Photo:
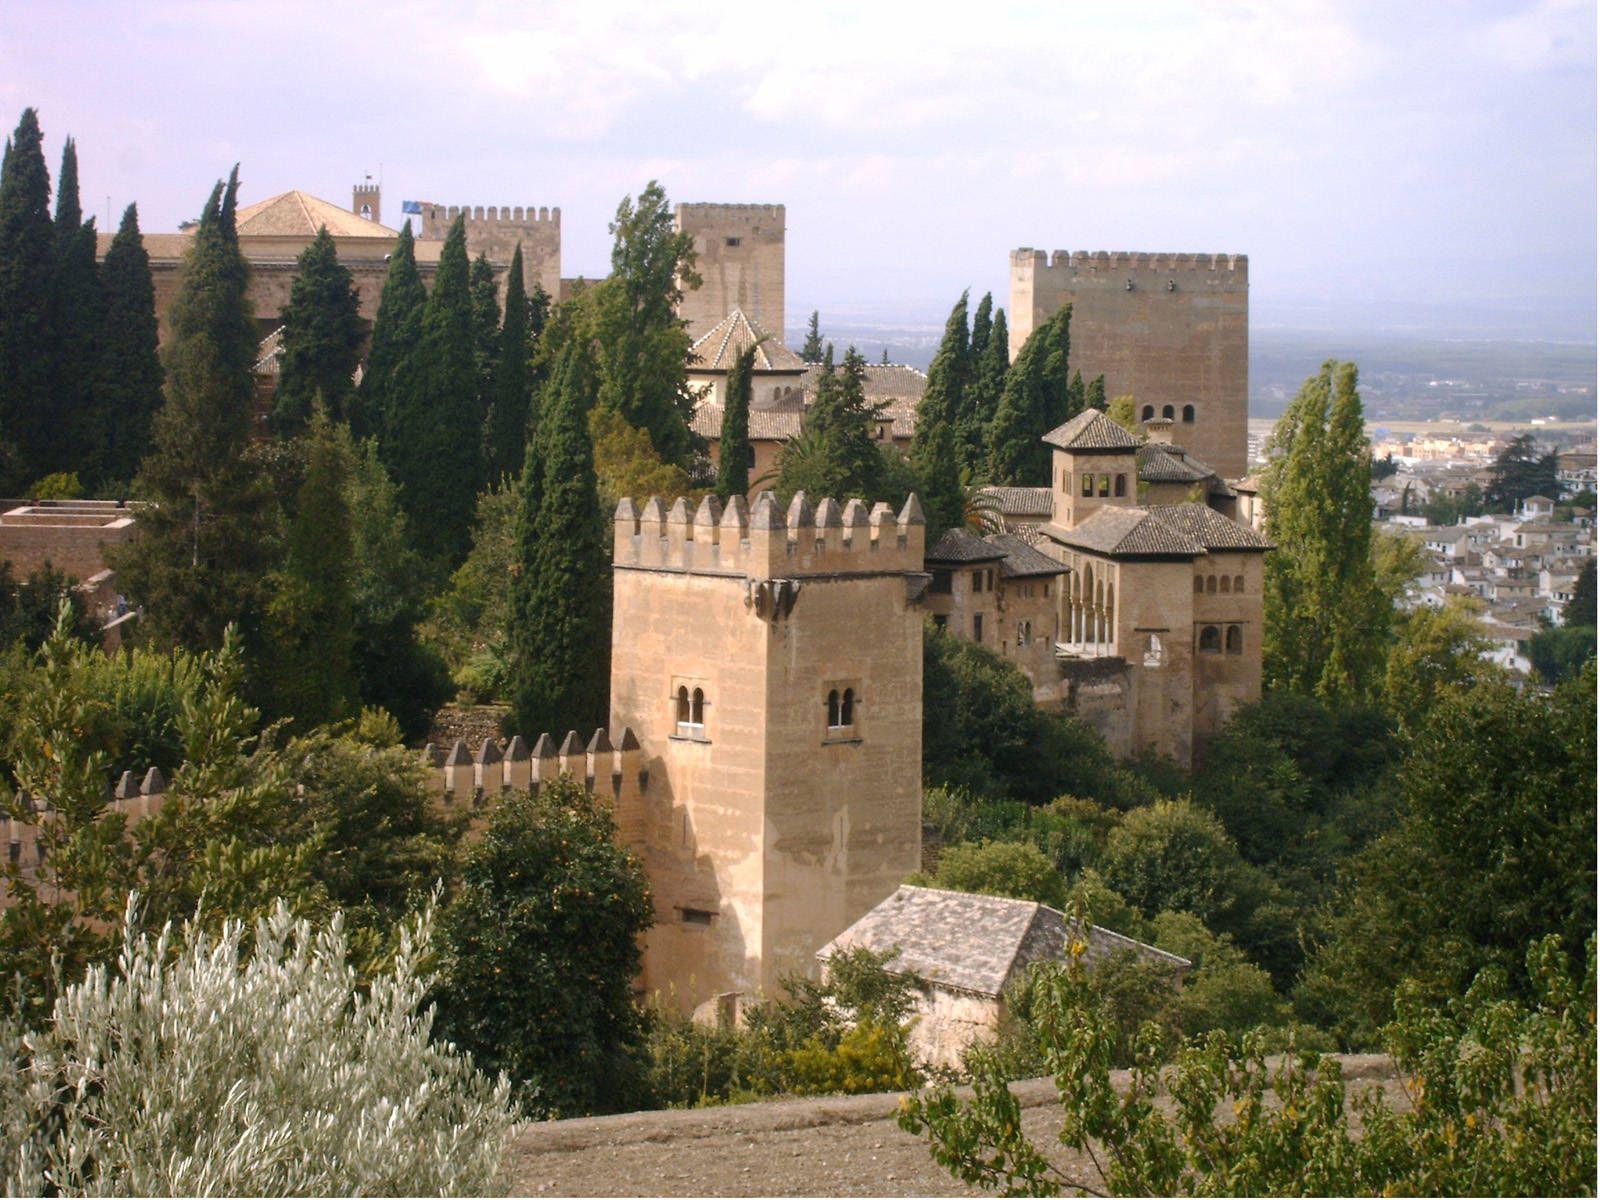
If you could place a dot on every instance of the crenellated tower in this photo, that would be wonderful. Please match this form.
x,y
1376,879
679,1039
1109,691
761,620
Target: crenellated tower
x,y
496,232
770,664
739,253
366,202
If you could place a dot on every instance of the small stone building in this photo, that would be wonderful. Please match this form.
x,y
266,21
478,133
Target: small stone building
x,y
964,951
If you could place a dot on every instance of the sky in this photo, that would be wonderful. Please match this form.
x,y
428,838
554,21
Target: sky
x,y
1422,166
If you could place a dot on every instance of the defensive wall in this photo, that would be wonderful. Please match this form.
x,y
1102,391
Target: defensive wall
x,y
70,535
496,233
739,255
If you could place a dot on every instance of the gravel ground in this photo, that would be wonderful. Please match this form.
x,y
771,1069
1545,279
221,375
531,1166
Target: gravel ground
x,y
835,1146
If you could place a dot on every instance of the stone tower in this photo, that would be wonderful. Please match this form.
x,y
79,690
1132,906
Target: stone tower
x,y
496,233
364,202
739,249
1172,329
771,667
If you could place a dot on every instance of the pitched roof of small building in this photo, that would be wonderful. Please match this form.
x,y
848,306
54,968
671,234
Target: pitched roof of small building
x,y
975,943
1162,462
1209,527
300,214
1091,430
718,347
766,425
960,545
1022,561
1022,501
881,381
1128,532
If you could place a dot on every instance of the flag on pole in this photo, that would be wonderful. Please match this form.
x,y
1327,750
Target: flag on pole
x,y
411,206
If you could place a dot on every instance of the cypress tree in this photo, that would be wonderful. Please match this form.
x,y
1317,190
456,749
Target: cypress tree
x,y
309,670
733,463
69,206
485,332
394,332
811,350
561,597
1094,396
983,396
322,336
841,415
947,378
939,485
506,431
205,543
431,438
127,391
27,258
1035,399
74,325
982,326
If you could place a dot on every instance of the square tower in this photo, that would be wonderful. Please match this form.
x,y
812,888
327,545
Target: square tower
x,y
771,667
739,256
365,202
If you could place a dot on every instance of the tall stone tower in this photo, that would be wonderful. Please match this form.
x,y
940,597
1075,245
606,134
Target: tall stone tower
x,y
1172,329
364,202
496,233
771,667
739,249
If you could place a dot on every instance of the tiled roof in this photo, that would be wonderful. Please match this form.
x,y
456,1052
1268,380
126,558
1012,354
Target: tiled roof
x,y
765,425
1091,430
962,546
717,349
1164,463
1209,527
298,214
975,943
1022,561
1128,532
1022,501
883,381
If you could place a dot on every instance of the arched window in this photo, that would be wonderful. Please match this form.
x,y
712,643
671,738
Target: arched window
x,y
777,393
1188,414
833,709
1122,485
1211,583
1210,640
698,708
1105,485
1199,584
366,212
1147,413
847,708
1235,640
1238,583
1166,411
1227,585
683,706
1088,483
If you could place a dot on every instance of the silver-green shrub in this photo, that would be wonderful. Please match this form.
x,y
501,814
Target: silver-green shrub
x,y
248,1062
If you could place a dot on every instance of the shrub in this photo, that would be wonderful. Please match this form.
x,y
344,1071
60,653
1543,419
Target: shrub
x,y
217,1070
1012,869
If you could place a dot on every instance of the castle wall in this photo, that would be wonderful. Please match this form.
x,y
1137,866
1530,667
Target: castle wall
x,y
739,252
496,233
1227,678
70,535
1172,329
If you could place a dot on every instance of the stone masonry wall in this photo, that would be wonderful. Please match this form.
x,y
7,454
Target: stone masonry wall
x,y
740,258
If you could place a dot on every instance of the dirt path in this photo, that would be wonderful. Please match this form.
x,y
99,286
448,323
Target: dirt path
x,y
831,1146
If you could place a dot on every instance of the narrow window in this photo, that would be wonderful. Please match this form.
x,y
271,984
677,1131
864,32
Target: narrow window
x,y
1227,585
988,579
1105,485
847,708
977,627
1147,413
698,709
696,916
941,583
1152,650
1088,483
1235,640
683,707
1166,411
1210,640
1188,414
977,581
1199,584
833,709
733,241
1122,485
1211,583
1238,583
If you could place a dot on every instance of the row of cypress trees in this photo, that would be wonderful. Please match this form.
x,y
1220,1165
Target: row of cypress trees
x,y
80,380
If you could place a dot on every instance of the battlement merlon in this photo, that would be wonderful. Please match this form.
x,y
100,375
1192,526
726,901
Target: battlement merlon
x,y
438,216
760,541
749,214
1234,267
615,771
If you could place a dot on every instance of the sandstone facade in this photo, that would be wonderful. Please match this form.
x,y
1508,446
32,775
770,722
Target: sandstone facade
x,y
739,251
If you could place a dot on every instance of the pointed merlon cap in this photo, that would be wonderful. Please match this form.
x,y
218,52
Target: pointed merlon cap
x,y
881,514
544,746
628,741
709,514
458,755
488,753
127,786
653,514
855,513
828,514
678,514
154,782
800,514
911,513
626,511
571,744
737,515
1092,431
516,749
765,515
600,743
432,756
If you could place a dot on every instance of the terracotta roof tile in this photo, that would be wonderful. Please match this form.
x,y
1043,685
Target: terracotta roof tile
x,y
1209,527
717,348
299,214
1091,430
963,546
1022,561
1022,501
1128,532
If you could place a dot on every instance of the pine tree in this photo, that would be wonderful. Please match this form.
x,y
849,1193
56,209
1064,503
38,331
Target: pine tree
x,y
841,414
884,361
394,332
485,332
308,671
74,326
322,336
1035,399
205,543
733,462
27,257
432,440
1094,395
811,350
506,431
127,391
1520,471
1326,618
561,597
983,397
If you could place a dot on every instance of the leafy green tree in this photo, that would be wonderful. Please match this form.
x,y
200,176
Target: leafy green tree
x,y
506,434
841,414
1175,856
943,398
127,369
432,433
1015,869
561,594
206,542
394,333
1436,651
1326,619
989,366
1035,399
642,345
626,464
322,337
733,461
1520,471
27,259
1122,411
548,922
1559,654
1094,395
308,671
1222,990
1580,609
811,349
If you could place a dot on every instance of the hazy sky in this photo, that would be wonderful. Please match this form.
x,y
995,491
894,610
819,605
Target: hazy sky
x,y
1381,163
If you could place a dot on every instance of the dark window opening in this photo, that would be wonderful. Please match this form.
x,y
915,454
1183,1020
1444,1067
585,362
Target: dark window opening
x,y
1122,485
696,916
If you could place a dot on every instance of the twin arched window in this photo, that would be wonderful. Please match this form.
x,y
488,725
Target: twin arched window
x,y
841,709
1212,639
1235,640
691,712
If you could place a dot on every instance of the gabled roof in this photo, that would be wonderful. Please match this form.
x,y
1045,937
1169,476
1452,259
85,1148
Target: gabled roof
x,y
716,349
1022,561
1162,462
1091,430
299,214
766,425
1209,527
882,381
1022,501
1128,532
975,943
962,546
